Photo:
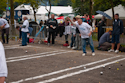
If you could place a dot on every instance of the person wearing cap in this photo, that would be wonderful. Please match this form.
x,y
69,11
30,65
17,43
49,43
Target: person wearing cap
x,y
25,30
5,29
86,35
3,65
78,41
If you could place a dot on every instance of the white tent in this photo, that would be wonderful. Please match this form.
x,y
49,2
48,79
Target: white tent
x,y
41,10
40,14
117,9
25,7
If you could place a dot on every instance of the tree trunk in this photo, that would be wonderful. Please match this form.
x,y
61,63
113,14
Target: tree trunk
x,y
82,7
112,9
90,10
34,15
49,9
12,18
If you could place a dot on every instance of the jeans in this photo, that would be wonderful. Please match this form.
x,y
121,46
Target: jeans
x,y
72,40
7,35
78,42
89,41
24,38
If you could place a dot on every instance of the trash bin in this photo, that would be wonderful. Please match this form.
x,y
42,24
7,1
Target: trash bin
x,y
34,25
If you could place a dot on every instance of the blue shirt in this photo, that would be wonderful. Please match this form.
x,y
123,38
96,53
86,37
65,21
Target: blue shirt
x,y
104,38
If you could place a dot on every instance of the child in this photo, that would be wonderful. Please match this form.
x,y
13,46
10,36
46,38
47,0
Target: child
x,y
20,32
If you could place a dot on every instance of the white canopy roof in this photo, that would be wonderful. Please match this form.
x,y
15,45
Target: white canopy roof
x,y
42,10
117,9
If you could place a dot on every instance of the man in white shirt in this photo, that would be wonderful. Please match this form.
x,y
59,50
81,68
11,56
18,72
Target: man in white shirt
x,y
3,66
5,29
25,30
86,35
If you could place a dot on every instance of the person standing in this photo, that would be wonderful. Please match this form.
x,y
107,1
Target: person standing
x,y
41,24
45,30
3,65
78,41
67,32
100,25
25,30
87,19
5,29
20,32
73,33
117,31
52,24
86,35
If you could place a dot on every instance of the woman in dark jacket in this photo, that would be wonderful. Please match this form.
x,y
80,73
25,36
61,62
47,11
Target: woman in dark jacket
x,y
100,25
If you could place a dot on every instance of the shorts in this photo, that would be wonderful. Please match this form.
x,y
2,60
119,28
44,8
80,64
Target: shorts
x,y
116,39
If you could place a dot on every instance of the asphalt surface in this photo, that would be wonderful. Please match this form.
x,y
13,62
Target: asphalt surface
x,y
39,63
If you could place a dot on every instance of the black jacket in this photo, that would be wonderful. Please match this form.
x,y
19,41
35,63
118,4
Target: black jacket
x,y
117,27
52,22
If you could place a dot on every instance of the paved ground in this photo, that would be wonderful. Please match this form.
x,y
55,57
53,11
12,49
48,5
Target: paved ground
x,y
58,64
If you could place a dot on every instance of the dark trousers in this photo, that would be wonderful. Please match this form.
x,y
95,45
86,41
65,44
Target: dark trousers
x,y
53,37
72,41
7,35
24,38
61,30
45,31
66,38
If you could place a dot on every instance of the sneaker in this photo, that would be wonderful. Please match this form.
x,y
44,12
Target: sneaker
x,y
93,54
74,48
84,54
65,44
69,47
117,51
111,50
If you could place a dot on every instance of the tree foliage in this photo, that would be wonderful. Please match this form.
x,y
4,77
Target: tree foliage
x,y
80,6
3,6
108,4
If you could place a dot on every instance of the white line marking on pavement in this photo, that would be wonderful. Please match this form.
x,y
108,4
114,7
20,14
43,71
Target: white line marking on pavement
x,y
79,72
16,47
37,56
12,46
64,70
33,55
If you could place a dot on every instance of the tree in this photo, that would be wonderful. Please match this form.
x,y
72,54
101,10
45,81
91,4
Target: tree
x,y
33,3
50,4
90,9
109,4
12,17
80,6
3,6
48,10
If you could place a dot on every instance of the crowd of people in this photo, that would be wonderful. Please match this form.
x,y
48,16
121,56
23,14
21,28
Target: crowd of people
x,y
79,29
